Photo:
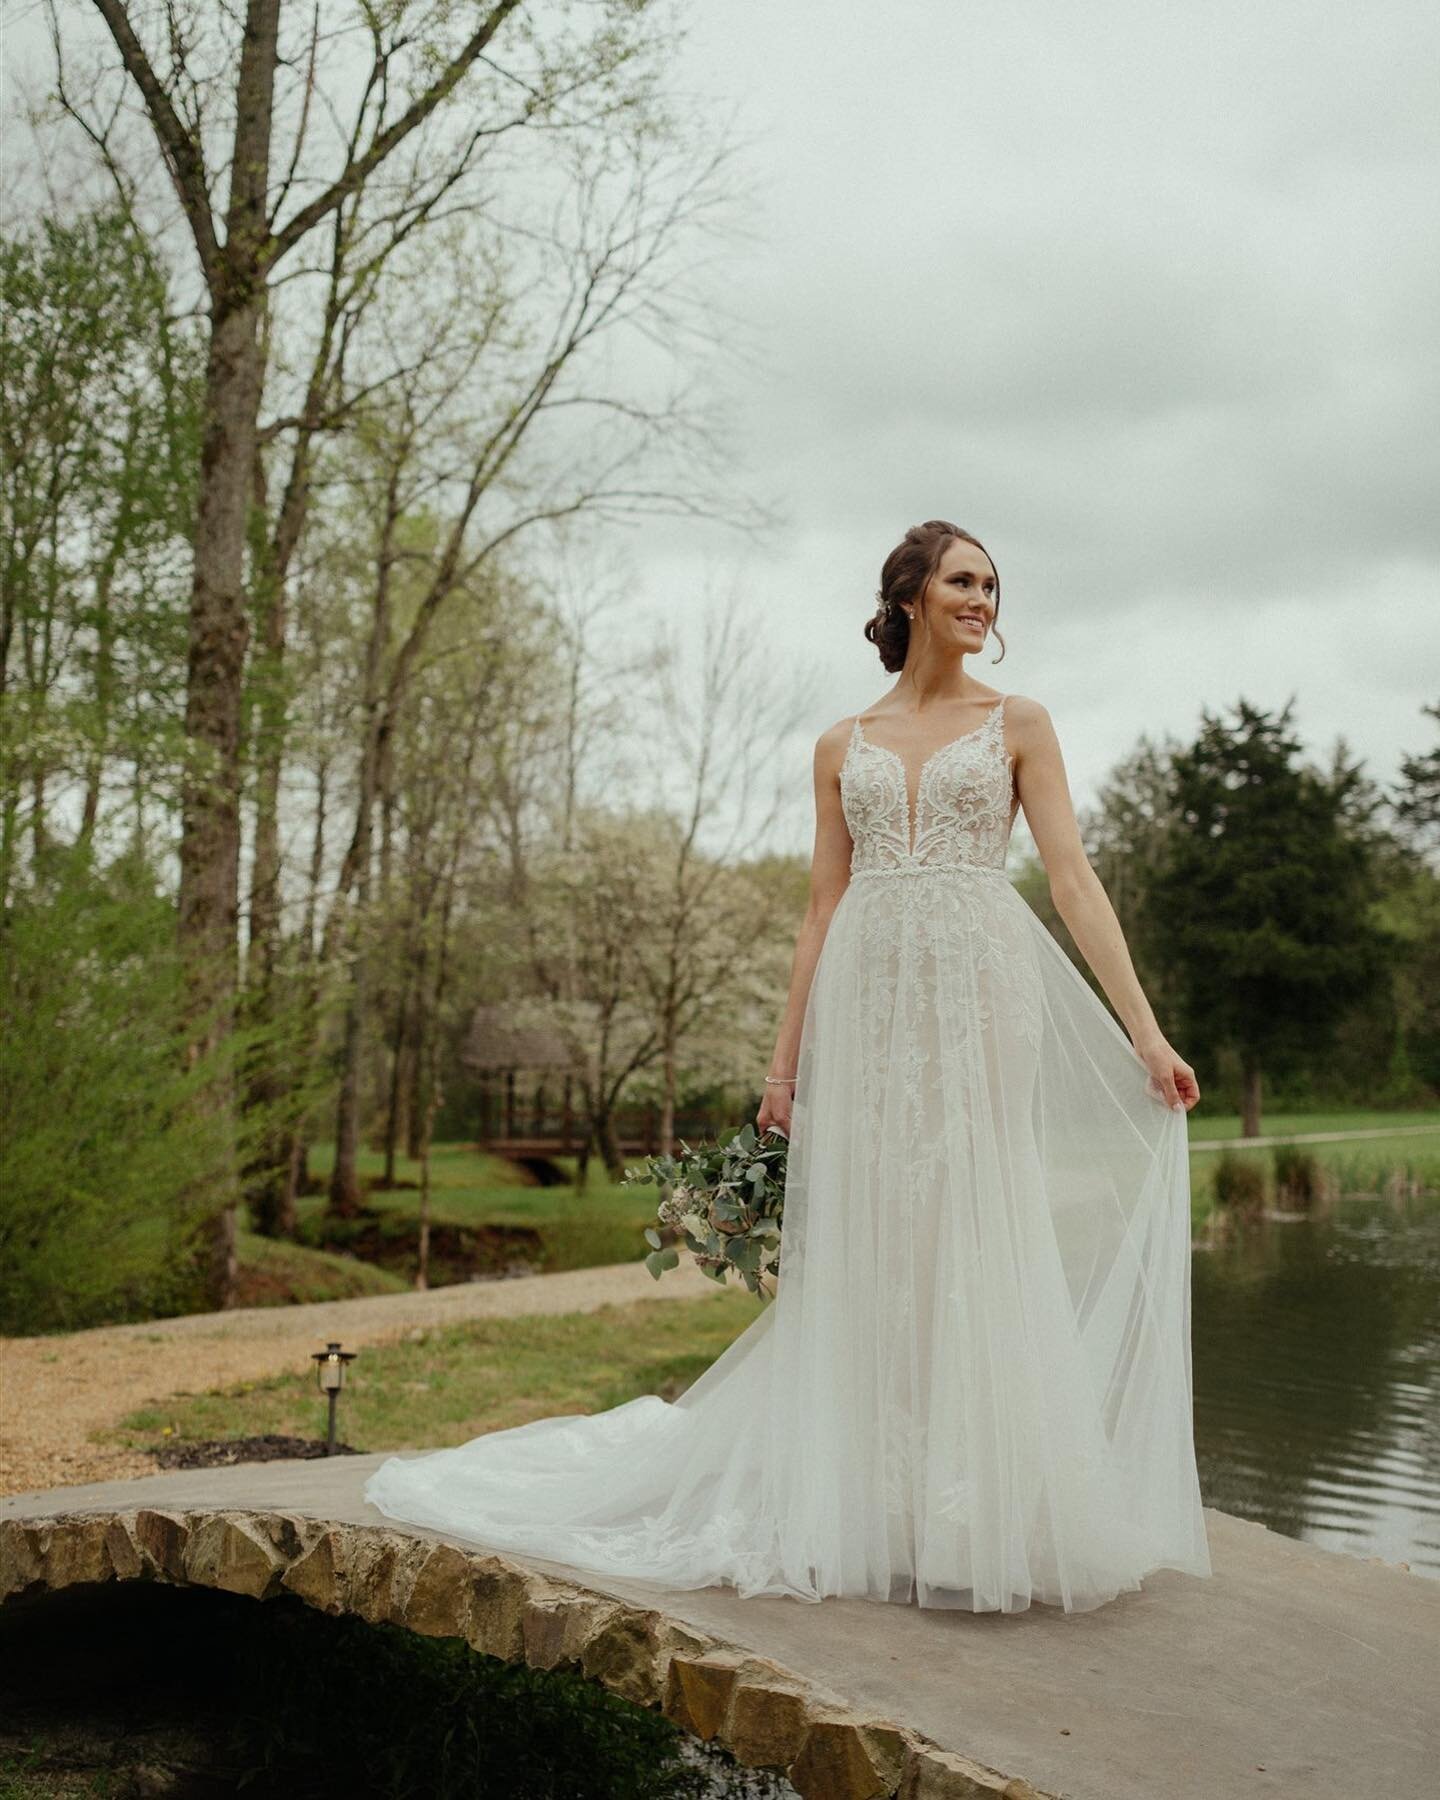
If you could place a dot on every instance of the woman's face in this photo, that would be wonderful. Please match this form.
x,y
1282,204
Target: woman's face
x,y
959,602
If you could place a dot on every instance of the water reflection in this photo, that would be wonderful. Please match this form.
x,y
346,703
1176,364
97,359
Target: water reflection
x,y
1317,1377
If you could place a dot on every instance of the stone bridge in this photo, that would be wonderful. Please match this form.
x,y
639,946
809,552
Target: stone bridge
x,y
1292,1671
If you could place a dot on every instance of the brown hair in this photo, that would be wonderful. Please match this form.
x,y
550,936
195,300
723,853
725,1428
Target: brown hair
x,y
904,578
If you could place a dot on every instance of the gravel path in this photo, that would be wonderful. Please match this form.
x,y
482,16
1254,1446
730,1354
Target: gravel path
x,y
55,1392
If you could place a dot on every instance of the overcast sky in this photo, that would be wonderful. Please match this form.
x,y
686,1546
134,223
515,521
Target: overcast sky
x,y
1146,298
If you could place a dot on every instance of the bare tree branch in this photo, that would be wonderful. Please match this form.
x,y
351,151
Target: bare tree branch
x,y
357,168
182,151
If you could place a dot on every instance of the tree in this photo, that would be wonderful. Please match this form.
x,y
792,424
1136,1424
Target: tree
x,y
1412,908
219,90
722,737
1416,804
98,1154
1125,835
1263,900
457,426
98,426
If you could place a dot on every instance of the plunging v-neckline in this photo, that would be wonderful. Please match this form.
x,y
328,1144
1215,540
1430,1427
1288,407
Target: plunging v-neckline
x,y
912,806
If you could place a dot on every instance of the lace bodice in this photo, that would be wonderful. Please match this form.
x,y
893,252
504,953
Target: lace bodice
x,y
963,803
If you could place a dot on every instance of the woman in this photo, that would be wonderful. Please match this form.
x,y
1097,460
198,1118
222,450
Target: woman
x,y
973,1386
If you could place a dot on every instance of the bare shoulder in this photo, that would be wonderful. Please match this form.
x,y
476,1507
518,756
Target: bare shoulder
x,y
837,734
1021,710
1027,719
1029,730
831,743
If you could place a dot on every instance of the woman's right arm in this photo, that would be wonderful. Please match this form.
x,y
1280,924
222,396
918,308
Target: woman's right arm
x,y
829,877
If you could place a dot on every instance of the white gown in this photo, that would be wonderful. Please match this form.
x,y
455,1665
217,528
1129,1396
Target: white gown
x,y
973,1385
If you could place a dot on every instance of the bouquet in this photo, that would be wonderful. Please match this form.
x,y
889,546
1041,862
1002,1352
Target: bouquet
x,y
725,1199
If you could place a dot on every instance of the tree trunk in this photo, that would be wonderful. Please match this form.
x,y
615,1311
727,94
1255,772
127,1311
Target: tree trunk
x,y
666,1133
399,1090
344,1202
582,1160
1250,1100
210,810
610,1146
416,1049
433,1101
344,1195
267,1175
307,1032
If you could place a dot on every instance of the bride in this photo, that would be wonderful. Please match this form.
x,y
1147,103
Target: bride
x,y
972,1388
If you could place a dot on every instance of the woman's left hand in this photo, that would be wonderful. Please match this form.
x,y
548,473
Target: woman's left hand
x,y
1171,1077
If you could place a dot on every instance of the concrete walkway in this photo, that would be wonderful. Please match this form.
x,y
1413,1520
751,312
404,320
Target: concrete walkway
x,y
1292,1671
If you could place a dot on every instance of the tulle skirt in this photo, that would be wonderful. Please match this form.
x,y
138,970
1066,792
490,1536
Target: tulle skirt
x,y
973,1385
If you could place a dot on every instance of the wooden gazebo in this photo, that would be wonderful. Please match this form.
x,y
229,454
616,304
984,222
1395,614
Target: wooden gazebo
x,y
529,1093
527,1076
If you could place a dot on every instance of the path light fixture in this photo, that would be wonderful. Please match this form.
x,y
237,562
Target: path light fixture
x,y
330,1375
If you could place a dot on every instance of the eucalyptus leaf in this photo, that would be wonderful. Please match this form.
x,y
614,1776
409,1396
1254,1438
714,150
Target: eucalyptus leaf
x,y
722,1203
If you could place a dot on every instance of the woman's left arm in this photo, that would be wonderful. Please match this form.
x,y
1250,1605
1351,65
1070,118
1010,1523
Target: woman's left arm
x,y
1080,898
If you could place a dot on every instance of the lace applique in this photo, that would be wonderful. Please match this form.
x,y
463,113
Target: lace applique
x,y
912,942
962,802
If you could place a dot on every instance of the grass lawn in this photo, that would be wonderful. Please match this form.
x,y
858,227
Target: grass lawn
x,y
605,1224
273,1272
1362,1167
449,1384
1283,1124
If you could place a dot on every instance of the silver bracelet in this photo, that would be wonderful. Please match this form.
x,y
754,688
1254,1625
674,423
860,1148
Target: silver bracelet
x,y
780,1080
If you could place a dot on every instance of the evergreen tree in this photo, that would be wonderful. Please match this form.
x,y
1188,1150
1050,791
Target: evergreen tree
x,y
1414,905
1417,800
1263,899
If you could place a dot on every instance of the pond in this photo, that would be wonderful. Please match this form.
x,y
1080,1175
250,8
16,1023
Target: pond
x,y
1317,1376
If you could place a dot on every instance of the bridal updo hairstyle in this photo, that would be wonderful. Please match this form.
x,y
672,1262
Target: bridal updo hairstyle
x,y
903,580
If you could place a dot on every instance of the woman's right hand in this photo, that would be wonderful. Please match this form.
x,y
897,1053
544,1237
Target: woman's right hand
x,y
776,1108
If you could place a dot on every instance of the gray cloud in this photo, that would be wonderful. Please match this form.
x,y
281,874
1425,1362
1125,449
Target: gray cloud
x,y
1146,298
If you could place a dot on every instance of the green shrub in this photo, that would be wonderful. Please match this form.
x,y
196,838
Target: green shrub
x,y
321,1708
1298,1177
104,1158
1239,1182
284,1701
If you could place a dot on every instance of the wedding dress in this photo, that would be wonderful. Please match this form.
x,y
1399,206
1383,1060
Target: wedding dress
x,y
973,1385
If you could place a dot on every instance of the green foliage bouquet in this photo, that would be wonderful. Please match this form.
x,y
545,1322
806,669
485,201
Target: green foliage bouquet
x,y
725,1199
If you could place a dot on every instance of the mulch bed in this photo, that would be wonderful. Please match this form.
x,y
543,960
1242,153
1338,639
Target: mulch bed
x,y
219,1453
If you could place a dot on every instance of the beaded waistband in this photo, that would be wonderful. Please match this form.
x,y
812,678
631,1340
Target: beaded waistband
x,y
987,869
